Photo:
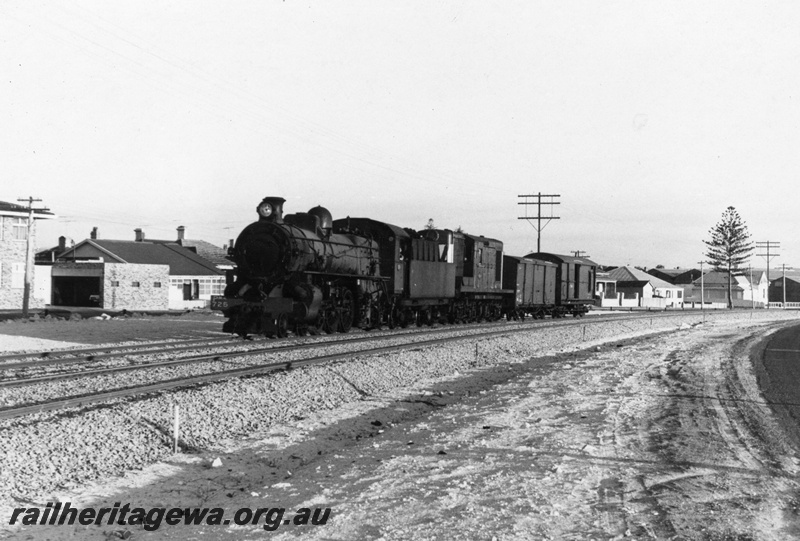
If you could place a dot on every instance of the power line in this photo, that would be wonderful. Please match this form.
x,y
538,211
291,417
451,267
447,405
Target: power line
x,y
26,292
538,216
767,245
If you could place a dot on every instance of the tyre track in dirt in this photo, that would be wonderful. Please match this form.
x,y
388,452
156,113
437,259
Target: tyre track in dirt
x,y
710,433
659,437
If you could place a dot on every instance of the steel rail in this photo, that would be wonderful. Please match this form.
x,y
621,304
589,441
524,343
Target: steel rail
x,y
19,381
119,349
91,398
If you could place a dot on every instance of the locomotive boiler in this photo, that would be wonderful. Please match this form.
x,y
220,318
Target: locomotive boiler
x,y
295,273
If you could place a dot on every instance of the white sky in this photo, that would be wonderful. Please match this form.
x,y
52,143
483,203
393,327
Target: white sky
x,y
649,118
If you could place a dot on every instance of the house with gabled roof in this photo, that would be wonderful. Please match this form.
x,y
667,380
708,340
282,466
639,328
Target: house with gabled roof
x,y
676,275
134,275
755,287
204,249
791,291
649,290
713,287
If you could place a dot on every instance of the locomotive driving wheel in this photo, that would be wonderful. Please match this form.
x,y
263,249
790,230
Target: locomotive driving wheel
x,y
346,311
282,326
331,323
317,327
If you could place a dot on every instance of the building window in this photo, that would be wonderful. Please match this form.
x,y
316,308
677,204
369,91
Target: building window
x,y
135,284
114,283
156,284
19,228
680,294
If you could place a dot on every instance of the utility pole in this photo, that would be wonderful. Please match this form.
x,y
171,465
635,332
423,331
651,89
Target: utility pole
x,y
784,284
702,288
26,294
766,246
538,202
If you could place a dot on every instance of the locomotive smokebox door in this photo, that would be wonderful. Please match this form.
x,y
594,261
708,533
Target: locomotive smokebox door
x,y
271,210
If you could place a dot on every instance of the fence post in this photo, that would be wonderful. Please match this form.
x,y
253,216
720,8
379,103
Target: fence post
x,y
176,430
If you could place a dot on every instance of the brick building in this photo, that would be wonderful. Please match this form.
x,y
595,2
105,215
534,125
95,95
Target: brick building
x,y
13,245
134,275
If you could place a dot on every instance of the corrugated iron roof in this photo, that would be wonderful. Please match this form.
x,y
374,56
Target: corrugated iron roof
x,y
181,261
6,207
206,250
632,274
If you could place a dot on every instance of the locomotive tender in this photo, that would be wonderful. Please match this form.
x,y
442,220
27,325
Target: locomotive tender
x,y
308,273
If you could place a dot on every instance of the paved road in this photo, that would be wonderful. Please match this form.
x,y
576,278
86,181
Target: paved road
x,y
778,372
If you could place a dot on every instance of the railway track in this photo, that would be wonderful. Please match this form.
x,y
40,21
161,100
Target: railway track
x,y
405,340
68,357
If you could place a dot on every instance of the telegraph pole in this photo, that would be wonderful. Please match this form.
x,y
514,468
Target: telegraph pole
x,y
784,284
26,295
702,288
538,202
766,246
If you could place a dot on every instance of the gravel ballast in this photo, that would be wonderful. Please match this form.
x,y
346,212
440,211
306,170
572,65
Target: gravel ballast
x,y
51,452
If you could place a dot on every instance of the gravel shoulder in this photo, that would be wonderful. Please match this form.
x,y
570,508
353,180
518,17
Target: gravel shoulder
x,y
661,434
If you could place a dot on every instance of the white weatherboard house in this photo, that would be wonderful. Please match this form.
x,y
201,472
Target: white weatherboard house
x,y
637,288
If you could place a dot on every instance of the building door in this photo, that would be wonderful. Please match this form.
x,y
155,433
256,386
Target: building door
x,y
76,291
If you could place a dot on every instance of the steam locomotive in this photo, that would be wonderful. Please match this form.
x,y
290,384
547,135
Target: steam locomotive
x,y
307,273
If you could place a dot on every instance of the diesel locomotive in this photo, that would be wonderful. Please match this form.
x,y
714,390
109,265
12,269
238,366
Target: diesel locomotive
x,y
308,273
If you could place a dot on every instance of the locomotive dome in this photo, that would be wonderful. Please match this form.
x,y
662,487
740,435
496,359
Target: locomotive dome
x,y
324,215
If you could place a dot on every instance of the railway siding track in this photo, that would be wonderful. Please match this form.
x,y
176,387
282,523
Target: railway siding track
x,y
91,398
76,356
409,340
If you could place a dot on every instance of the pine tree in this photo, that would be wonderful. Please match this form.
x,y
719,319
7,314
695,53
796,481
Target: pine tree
x,y
729,247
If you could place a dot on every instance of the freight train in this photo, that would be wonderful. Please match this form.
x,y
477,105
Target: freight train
x,y
308,273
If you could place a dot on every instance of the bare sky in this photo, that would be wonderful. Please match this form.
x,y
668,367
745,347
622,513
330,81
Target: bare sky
x,y
649,118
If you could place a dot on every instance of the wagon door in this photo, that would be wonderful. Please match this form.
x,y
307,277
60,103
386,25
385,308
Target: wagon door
x,y
549,284
538,286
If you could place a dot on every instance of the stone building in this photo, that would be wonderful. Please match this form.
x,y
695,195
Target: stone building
x,y
134,275
14,240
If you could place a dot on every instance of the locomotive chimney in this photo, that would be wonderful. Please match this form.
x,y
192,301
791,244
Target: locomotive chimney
x,y
93,234
181,230
271,210
139,234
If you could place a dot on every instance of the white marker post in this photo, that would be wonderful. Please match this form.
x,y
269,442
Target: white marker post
x,y
177,427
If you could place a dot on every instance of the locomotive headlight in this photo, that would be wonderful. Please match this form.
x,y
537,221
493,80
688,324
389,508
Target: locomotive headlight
x,y
265,210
